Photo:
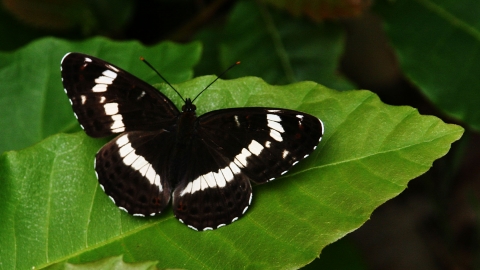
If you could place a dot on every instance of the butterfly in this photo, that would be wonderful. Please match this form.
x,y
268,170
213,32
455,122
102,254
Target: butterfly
x,y
204,164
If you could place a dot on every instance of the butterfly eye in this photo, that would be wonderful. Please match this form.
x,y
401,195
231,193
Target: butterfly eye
x,y
189,108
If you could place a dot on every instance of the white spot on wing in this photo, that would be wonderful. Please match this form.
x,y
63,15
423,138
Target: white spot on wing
x,y
84,99
110,74
275,125
236,120
267,144
227,174
99,88
111,108
104,80
203,182
276,135
140,163
157,182
117,125
88,60
130,158
121,141
285,153
323,129
274,117
112,67
220,180
255,147
212,179
141,95
187,189
242,157
195,186
235,169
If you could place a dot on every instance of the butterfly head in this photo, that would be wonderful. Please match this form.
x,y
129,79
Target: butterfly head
x,y
189,106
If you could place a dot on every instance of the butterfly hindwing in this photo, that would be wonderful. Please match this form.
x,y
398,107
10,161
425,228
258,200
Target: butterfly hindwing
x,y
132,170
263,142
212,192
108,100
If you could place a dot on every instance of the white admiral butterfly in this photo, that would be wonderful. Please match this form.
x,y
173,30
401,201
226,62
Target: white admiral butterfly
x,y
207,161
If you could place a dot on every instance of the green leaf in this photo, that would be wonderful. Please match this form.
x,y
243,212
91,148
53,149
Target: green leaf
x,y
275,46
54,211
438,46
108,263
31,103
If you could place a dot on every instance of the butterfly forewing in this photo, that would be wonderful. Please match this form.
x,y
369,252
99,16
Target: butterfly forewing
x,y
264,142
108,100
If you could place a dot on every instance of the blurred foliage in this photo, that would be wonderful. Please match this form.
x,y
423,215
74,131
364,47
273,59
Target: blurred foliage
x,y
429,61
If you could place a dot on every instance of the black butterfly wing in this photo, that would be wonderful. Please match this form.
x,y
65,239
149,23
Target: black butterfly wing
x,y
108,100
263,142
233,146
212,191
133,170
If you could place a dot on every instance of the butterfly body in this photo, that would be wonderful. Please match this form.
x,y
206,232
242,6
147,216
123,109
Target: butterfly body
x,y
205,163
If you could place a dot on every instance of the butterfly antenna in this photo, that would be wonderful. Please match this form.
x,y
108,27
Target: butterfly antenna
x,y
158,73
218,77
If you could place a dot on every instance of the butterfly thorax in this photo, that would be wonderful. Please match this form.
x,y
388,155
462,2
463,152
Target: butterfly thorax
x,y
185,133
186,123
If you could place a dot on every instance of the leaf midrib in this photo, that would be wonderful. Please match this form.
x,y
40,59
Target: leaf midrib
x,y
368,155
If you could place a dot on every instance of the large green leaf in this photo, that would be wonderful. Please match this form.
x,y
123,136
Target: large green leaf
x,y
438,45
54,211
31,105
275,46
